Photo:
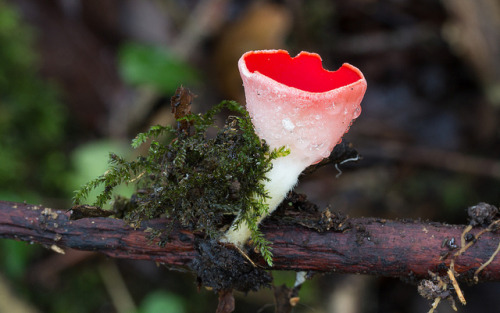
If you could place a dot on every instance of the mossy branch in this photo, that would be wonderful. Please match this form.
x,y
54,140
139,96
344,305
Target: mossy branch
x,y
193,179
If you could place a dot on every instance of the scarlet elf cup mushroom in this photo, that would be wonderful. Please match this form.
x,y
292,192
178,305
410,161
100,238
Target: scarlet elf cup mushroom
x,y
296,103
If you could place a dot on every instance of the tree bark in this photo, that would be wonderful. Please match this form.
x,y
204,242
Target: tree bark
x,y
368,246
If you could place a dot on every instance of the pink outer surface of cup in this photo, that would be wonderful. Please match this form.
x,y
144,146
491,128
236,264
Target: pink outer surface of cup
x,y
295,102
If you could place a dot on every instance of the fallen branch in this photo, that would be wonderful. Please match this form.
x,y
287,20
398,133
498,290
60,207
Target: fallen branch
x,y
367,245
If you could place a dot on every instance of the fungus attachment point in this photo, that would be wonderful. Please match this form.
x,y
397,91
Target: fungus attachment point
x,y
296,103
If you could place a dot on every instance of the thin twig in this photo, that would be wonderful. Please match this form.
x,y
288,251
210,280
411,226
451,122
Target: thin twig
x,y
434,305
459,292
476,273
427,156
116,287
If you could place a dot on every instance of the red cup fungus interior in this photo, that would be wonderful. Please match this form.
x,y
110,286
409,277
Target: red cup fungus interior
x,y
305,71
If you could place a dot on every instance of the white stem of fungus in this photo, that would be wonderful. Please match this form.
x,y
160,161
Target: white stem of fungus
x,y
282,178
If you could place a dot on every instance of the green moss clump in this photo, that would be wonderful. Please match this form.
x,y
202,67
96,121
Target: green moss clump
x,y
196,180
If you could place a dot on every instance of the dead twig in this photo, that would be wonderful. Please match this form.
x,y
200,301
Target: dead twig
x,y
366,245
438,158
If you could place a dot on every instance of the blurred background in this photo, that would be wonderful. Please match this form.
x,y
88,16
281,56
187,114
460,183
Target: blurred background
x,y
78,79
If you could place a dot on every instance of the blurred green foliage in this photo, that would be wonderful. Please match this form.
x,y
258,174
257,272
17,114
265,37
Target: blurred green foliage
x,y
15,257
31,118
162,301
79,290
155,67
450,192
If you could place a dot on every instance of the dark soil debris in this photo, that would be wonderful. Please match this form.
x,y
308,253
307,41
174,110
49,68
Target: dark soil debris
x,y
222,268
285,298
341,152
438,287
482,214
362,234
430,290
87,211
469,237
299,202
297,209
442,268
468,277
337,221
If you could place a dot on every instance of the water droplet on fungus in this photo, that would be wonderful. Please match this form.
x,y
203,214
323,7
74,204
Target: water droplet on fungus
x,y
287,124
357,112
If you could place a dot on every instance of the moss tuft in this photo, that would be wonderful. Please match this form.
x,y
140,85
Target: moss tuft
x,y
195,180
